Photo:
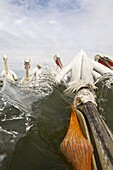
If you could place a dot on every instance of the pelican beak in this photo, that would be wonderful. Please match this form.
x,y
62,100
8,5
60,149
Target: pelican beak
x,y
100,135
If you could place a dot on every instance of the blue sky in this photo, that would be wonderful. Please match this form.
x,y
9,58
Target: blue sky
x,y
38,29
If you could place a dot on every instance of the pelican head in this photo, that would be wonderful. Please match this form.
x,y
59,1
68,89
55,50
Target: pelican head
x,y
27,62
38,66
97,57
57,56
5,57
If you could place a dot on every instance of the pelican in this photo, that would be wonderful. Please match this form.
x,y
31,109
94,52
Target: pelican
x,y
83,68
30,75
58,61
35,72
104,60
27,65
88,142
9,74
96,151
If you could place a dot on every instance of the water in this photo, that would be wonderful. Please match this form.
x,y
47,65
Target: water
x,y
34,122
105,99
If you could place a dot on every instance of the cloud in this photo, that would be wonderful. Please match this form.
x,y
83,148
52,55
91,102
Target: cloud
x,y
38,29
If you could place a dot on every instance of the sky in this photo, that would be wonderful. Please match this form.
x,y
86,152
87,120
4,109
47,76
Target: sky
x,y
38,29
